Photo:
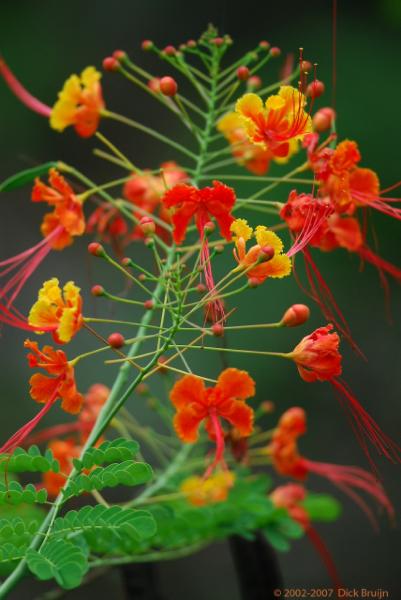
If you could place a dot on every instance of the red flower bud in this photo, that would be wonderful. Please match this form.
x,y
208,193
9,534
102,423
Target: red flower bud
x,y
275,51
266,253
149,304
253,282
306,66
243,73
254,82
147,45
267,406
119,54
218,41
209,227
296,315
217,329
154,85
168,86
116,340
191,44
219,248
201,288
97,290
110,63
264,44
142,277
170,50
147,225
315,89
160,363
323,119
96,249
126,261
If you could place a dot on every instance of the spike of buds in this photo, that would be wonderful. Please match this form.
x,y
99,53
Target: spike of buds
x,y
96,249
315,89
110,63
296,315
97,290
275,51
254,82
149,304
217,329
243,73
116,340
168,86
323,119
147,45
147,225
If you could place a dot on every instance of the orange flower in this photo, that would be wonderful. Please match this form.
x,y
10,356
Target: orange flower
x,y
94,400
272,263
317,356
64,451
290,497
80,103
200,491
283,447
67,215
196,403
58,311
276,124
62,385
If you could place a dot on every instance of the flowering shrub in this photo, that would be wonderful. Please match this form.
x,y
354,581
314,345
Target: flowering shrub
x,y
216,468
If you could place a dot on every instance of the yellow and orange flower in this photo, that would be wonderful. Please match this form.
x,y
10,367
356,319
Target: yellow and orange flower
x,y
58,311
254,157
200,491
278,266
46,390
67,216
273,125
80,104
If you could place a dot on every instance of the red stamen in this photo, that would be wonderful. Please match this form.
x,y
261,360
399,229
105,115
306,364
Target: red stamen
x,y
325,555
21,93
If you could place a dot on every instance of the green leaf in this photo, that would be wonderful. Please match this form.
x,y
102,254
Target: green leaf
x,y
26,176
107,529
14,493
110,451
126,473
277,539
321,507
60,560
30,460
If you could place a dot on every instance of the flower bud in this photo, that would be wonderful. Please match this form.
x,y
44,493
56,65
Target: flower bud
x,y
275,52
218,41
168,86
217,329
264,44
266,253
254,82
142,277
96,249
160,364
209,227
323,119
219,248
154,85
147,225
97,290
110,63
116,340
296,315
201,288
149,304
119,54
147,45
253,282
267,406
243,73
126,261
315,89
170,50
149,242
191,44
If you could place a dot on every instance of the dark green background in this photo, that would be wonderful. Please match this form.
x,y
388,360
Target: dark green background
x,y
46,41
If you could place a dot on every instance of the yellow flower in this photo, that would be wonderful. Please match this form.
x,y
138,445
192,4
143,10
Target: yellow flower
x,y
57,311
79,103
278,266
200,492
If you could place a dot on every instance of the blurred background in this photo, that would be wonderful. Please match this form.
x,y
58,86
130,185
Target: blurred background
x,y
44,42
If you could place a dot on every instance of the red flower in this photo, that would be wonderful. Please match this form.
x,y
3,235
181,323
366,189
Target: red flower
x,y
290,497
64,451
317,356
196,403
187,202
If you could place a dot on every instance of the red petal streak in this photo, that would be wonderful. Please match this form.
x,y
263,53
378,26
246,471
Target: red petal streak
x,y
325,555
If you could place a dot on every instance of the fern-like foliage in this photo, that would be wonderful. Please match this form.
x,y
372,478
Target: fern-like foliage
x,y
14,493
126,473
117,450
29,461
61,560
